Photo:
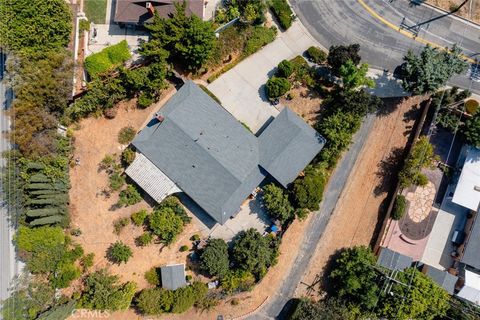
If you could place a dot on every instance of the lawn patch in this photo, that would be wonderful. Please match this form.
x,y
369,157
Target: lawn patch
x,y
95,10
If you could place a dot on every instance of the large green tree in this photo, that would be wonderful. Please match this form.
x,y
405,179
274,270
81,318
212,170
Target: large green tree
x,y
104,292
431,69
277,203
34,25
354,277
471,130
308,190
339,55
214,258
354,76
421,299
188,39
254,252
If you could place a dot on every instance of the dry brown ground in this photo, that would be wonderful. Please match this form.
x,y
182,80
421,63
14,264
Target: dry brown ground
x,y
359,208
464,11
305,103
90,210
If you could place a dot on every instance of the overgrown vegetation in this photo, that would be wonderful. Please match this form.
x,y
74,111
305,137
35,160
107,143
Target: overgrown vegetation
x,y
107,59
282,12
420,157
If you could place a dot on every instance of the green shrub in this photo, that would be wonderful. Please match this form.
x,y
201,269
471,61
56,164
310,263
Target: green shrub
x,y
283,12
129,196
184,248
237,281
107,59
128,156
87,261
399,207
214,258
259,37
195,237
145,100
145,239
284,69
421,156
317,55
173,203
308,190
277,204
119,252
119,224
153,276
138,218
155,301
116,181
165,224
184,298
277,87
126,135
84,25
188,277
302,213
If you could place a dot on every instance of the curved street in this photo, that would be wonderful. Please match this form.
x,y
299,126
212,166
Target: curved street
x,y
382,46
375,25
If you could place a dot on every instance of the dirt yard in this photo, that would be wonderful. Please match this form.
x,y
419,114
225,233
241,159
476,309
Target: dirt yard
x,y
91,211
306,103
472,7
361,205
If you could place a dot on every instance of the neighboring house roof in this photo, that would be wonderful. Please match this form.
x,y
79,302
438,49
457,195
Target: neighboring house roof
x,y
173,276
287,145
471,253
467,192
444,279
135,11
471,289
393,260
214,159
150,178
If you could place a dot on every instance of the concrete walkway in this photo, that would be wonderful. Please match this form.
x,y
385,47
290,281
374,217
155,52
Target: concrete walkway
x,y
242,89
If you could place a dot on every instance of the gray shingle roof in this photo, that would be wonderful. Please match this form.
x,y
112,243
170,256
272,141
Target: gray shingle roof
x,y
393,260
471,254
444,279
173,276
287,146
214,159
135,11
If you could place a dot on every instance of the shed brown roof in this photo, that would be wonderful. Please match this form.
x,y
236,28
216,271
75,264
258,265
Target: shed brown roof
x,y
135,11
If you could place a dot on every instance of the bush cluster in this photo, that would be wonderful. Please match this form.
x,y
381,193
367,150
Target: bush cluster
x,y
399,207
317,55
282,12
107,59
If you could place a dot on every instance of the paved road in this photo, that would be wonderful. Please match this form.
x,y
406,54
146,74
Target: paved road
x,y
317,226
8,265
347,21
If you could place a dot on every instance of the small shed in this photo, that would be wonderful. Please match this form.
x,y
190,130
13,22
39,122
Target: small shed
x,y
173,276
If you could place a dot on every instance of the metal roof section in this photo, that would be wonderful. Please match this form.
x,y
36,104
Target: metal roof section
x,y
471,254
393,260
173,276
467,192
151,179
444,279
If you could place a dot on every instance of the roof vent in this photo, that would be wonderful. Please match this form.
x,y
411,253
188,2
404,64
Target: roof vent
x,y
150,8
159,117
476,188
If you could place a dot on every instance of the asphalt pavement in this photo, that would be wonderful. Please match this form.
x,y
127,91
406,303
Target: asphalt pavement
x,y
383,46
8,264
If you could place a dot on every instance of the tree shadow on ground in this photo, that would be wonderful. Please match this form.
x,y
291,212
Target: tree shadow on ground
x,y
389,105
387,171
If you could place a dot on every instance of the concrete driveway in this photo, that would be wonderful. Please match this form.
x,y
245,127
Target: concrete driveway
x,y
242,89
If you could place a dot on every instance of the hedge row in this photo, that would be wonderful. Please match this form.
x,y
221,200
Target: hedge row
x,y
107,59
282,12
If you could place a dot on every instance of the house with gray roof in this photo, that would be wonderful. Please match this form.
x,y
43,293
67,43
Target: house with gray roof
x,y
196,146
139,12
173,276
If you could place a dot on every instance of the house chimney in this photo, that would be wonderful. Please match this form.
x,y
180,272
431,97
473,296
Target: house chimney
x,y
159,117
150,8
